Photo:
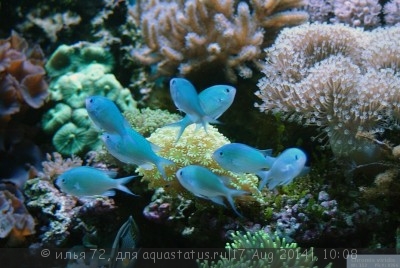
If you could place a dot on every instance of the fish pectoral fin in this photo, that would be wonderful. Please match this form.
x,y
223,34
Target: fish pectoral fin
x,y
304,171
109,193
77,186
147,166
155,147
111,173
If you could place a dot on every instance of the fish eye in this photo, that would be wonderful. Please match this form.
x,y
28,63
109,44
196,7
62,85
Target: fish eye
x,y
173,81
227,90
91,100
221,153
296,157
63,180
180,173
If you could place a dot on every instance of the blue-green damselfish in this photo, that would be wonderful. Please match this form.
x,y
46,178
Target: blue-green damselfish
x,y
89,181
241,158
203,183
133,148
214,100
106,115
287,166
185,98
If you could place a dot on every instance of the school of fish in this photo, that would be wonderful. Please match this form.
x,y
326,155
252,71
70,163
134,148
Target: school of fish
x,y
129,146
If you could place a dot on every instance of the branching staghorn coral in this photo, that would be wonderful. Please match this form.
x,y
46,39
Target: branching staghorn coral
x,y
329,76
186,35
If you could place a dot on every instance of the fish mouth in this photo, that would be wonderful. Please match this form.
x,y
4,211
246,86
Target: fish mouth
x,y
56,184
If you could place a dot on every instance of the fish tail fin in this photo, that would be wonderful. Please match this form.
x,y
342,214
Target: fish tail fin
x,y
264,177
182,124
161,163
232,193
120,184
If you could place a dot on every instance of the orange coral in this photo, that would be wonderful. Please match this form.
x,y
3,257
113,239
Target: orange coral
x,y
21,76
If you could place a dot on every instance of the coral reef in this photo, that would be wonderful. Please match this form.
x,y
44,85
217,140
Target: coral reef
x,y
365,13
328,76
194,148
22,82
147,120
357,13
392,12
58,214
15,220
254,243
164,208
185,36
51,25
79,71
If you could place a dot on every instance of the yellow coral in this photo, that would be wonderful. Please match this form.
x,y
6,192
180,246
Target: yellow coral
x,y
195,147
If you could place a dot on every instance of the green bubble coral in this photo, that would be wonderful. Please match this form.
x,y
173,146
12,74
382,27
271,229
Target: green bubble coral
x,y
56,117
260,249
194,148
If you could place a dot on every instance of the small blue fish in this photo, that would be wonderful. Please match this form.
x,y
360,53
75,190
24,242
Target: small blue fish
x,y
106,115
186,100
133,148
214,100
241,158
203,183
288,165
89,181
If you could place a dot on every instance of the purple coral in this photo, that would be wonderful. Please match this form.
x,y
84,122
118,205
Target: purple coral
x,y
157,212
391,11
357,12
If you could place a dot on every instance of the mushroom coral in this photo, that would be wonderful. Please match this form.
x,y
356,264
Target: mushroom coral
x,y
21,76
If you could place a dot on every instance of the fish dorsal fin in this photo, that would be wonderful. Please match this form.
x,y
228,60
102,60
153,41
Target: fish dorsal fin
x,y
266,152
270,160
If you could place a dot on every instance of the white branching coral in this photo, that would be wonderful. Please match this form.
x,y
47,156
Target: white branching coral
x,y
184,35
338,78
